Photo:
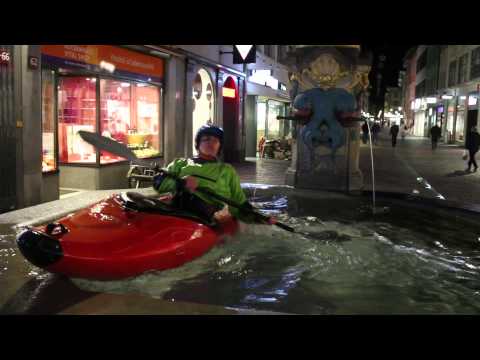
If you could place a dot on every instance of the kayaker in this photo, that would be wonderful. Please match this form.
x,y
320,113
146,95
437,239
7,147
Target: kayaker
x,y
206,171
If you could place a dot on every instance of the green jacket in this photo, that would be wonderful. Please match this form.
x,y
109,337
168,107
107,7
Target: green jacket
x,y
216,176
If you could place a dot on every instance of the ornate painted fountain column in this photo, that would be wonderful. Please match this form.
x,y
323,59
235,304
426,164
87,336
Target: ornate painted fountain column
x,y
328,85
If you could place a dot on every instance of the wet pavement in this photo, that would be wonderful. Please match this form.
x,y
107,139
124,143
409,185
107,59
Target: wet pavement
x,y
411,167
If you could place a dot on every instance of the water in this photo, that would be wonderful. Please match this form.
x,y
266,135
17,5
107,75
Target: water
x,y
345,261
373,170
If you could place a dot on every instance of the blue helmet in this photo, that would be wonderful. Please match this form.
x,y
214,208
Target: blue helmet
x,y
209,130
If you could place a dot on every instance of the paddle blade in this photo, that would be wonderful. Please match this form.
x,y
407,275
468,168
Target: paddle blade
x,y
106,144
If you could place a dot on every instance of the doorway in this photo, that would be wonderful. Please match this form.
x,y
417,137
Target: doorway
x,y
231,126
472,120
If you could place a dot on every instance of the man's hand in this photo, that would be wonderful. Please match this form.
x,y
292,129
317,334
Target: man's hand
x,y
272,220
191,183
222,216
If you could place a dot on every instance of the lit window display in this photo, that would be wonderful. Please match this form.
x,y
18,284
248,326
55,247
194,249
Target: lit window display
x,y
129,114
48,121
76,111
275,108
115,114
144,136
450,114
460,126
203,102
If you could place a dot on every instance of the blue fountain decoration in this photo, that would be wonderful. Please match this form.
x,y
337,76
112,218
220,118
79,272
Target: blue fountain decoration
x,y
328,85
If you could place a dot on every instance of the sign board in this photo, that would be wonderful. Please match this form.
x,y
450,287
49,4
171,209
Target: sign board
x,y
244,54
33,62
99,58
5,57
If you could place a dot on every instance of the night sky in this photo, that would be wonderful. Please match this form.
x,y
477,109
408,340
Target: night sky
x,y
393,64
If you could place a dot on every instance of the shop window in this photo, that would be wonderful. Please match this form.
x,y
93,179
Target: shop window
x,y
76,111
475,64
144,136
49,162
115,114
130,115
452,72
462,68
275,108
261,119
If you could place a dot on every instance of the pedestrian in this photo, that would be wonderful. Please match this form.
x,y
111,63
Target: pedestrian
x,y
404,132
375,132
394,132
472,145
435,133
365,132
206,171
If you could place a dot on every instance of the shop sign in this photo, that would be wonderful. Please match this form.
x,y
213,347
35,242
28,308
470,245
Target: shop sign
x,y
228,92
472,100
244,54
101,58
5,57
33,62
264,77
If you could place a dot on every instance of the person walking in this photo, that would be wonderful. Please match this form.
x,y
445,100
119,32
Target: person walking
x,y
404,132
365,132
472,145
435,134
375,131
394,132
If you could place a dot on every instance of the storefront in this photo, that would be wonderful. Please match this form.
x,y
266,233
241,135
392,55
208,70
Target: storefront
x,y
109,90
421,123
460,120
450,133
472,114
268,126
203,101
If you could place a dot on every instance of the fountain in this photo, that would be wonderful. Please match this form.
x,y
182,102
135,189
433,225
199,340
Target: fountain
x,y
329,85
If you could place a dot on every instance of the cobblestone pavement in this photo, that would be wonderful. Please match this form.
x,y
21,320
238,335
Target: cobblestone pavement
x,y
411,167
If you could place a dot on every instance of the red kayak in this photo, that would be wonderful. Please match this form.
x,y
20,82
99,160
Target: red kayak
x,y
123,236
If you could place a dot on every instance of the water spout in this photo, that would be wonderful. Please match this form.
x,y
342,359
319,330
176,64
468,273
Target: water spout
x,y
373,170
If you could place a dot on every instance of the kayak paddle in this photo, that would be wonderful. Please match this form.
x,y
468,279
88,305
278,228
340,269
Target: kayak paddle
x,y
114,147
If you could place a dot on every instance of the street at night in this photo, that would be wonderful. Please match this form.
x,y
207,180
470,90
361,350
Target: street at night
x,y
239,179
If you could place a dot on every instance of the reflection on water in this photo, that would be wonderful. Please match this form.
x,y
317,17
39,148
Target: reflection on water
x,y
341,261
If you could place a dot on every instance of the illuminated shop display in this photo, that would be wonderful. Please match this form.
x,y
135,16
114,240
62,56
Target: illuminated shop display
x,y
76,111
129,114
49,162
275,108
460,124
109,90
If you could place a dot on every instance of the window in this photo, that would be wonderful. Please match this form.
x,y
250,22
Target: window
x,y
76,111
275,108
282,53
49,162
268,50
129,113
452,71
475,64
420,89
462,69
422,61
261,119
147,120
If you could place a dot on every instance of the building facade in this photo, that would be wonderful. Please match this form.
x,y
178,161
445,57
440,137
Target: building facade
x,y
152,98
447,85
